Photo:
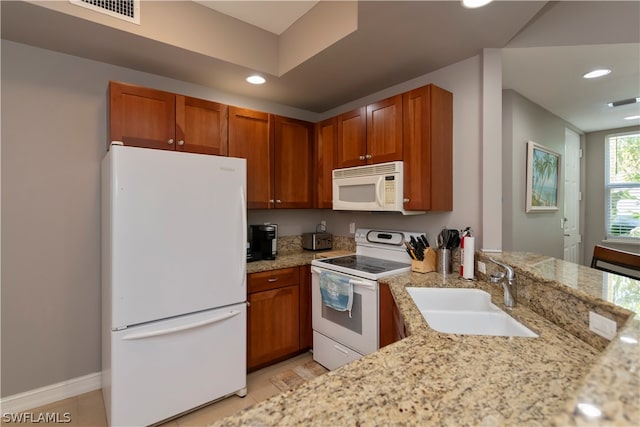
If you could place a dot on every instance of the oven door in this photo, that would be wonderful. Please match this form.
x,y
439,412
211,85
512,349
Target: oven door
x,y
358,332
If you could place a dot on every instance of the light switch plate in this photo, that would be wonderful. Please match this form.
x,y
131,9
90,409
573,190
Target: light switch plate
x,y
602,326
482,267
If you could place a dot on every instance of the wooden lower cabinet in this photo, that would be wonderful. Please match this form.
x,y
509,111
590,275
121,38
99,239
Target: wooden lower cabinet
x,y
391,323
385,316
278,316
273,325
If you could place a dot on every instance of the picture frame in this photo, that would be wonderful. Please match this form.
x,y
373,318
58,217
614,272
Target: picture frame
x,y
543,178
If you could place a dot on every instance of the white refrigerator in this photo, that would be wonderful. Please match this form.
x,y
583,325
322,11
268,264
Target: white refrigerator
x,y
173,282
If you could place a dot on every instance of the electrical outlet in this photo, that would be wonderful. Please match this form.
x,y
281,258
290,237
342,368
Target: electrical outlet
x,y
482,267
323,223
352,227
602,326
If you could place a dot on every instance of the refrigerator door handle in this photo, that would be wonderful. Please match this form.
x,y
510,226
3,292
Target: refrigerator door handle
x,y
167,331
243,255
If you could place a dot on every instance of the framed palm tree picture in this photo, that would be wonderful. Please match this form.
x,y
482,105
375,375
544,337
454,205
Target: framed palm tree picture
x,y
543,174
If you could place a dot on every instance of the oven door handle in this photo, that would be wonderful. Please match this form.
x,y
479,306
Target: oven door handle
x,y
361,283
351,281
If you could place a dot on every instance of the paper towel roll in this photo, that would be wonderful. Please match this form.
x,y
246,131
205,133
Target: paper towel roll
x,y
468,257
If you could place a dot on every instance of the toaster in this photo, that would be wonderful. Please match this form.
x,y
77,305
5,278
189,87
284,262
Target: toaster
x,y
317,241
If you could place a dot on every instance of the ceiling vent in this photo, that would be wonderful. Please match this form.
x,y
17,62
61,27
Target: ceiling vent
x,y
127,10
624,102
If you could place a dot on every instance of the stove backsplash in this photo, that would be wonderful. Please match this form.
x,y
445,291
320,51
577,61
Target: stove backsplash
x,y
293,244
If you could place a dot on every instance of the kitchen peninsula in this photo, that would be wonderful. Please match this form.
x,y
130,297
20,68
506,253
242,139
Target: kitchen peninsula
x,y
432,378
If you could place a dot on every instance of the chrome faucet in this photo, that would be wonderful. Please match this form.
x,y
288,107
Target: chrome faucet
x,y
509,286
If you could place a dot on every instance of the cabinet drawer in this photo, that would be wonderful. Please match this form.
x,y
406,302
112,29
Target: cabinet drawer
x,y
273,279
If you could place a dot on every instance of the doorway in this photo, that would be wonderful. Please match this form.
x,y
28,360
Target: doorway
x,y
571,220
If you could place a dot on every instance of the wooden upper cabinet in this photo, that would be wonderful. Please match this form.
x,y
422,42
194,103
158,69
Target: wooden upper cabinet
x,y
384,131
428,149
293,163
326,141
251,138
352,138
371,134
151,118
141,117
201,126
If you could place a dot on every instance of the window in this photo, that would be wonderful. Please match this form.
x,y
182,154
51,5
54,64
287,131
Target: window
x,y
622,186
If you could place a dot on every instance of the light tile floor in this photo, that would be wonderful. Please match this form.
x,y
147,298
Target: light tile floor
x,y
87,410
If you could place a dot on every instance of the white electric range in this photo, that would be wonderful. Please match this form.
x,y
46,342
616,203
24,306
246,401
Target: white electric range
x,y
342,336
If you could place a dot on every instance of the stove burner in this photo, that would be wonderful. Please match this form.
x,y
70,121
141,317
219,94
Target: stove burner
x,y
365,263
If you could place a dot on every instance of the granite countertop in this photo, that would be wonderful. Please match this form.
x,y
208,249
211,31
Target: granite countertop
x,y
432,378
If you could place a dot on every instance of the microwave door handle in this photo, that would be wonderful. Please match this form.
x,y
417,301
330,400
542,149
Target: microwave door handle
x,y
379,189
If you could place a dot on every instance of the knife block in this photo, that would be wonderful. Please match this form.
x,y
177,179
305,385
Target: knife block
x,y
427,265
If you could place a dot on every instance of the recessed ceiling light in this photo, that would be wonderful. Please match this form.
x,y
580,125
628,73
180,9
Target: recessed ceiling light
x,y
597,73
472,4
632,118
256,80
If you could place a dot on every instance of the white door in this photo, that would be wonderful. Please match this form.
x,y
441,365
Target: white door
x,y
177,235
571,221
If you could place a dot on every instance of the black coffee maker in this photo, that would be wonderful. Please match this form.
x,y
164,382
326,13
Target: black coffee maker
x,y
263,240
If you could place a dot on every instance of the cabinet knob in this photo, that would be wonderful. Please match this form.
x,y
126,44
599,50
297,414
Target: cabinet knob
x,y
362,157
368,156
278,201
181,142
271,201
405,200
170,141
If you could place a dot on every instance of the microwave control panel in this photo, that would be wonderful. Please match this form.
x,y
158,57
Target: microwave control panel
x,y
389,190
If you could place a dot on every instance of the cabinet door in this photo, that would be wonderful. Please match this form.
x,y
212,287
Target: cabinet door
x,y
399,327
273,325
326,141
292,163
386,323
352,138
251,138
306,330
201,126
384,130
141,117
428,149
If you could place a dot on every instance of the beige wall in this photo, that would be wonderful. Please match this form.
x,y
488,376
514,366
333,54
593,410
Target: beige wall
x,y
523,121
54,114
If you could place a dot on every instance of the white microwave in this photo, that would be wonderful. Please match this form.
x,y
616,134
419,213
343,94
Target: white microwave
x,y
374,188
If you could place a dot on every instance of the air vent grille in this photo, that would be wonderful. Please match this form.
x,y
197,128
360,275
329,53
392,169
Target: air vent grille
x,y
376,169
624,102
127,10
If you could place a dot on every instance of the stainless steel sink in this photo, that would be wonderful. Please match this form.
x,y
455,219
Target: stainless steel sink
x,y
465,311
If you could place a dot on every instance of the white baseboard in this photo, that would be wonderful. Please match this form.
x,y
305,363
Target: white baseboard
x,y
51,393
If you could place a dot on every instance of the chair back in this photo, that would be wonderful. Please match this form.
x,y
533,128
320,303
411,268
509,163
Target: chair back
x,y
607,259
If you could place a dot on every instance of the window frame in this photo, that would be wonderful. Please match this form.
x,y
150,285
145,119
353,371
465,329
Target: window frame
x,y
608,187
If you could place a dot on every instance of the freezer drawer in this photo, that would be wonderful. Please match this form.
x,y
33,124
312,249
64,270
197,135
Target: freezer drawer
x,y
164,368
